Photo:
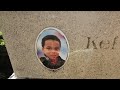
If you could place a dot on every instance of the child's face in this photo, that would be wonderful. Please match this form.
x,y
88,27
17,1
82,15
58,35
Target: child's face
x,y
51,49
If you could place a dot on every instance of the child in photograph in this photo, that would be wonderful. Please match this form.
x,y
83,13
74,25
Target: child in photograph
x,y
51,48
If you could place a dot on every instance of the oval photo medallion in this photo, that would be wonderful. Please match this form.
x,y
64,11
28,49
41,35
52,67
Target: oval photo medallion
x,y
52,48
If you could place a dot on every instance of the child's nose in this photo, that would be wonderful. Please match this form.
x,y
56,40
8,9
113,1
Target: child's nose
x,y
53,50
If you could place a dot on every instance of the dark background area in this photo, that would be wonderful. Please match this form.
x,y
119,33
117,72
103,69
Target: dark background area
x,y
5,65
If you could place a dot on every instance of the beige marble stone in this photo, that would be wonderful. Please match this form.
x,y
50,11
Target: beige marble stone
x,y
93,36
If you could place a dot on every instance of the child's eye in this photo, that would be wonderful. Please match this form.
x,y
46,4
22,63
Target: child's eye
x,y
49,48
57,49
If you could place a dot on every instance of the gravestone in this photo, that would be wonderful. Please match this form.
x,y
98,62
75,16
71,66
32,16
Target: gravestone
x,y
93,43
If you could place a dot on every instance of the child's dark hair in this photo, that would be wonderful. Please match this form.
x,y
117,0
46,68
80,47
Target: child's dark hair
x,y
50,37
